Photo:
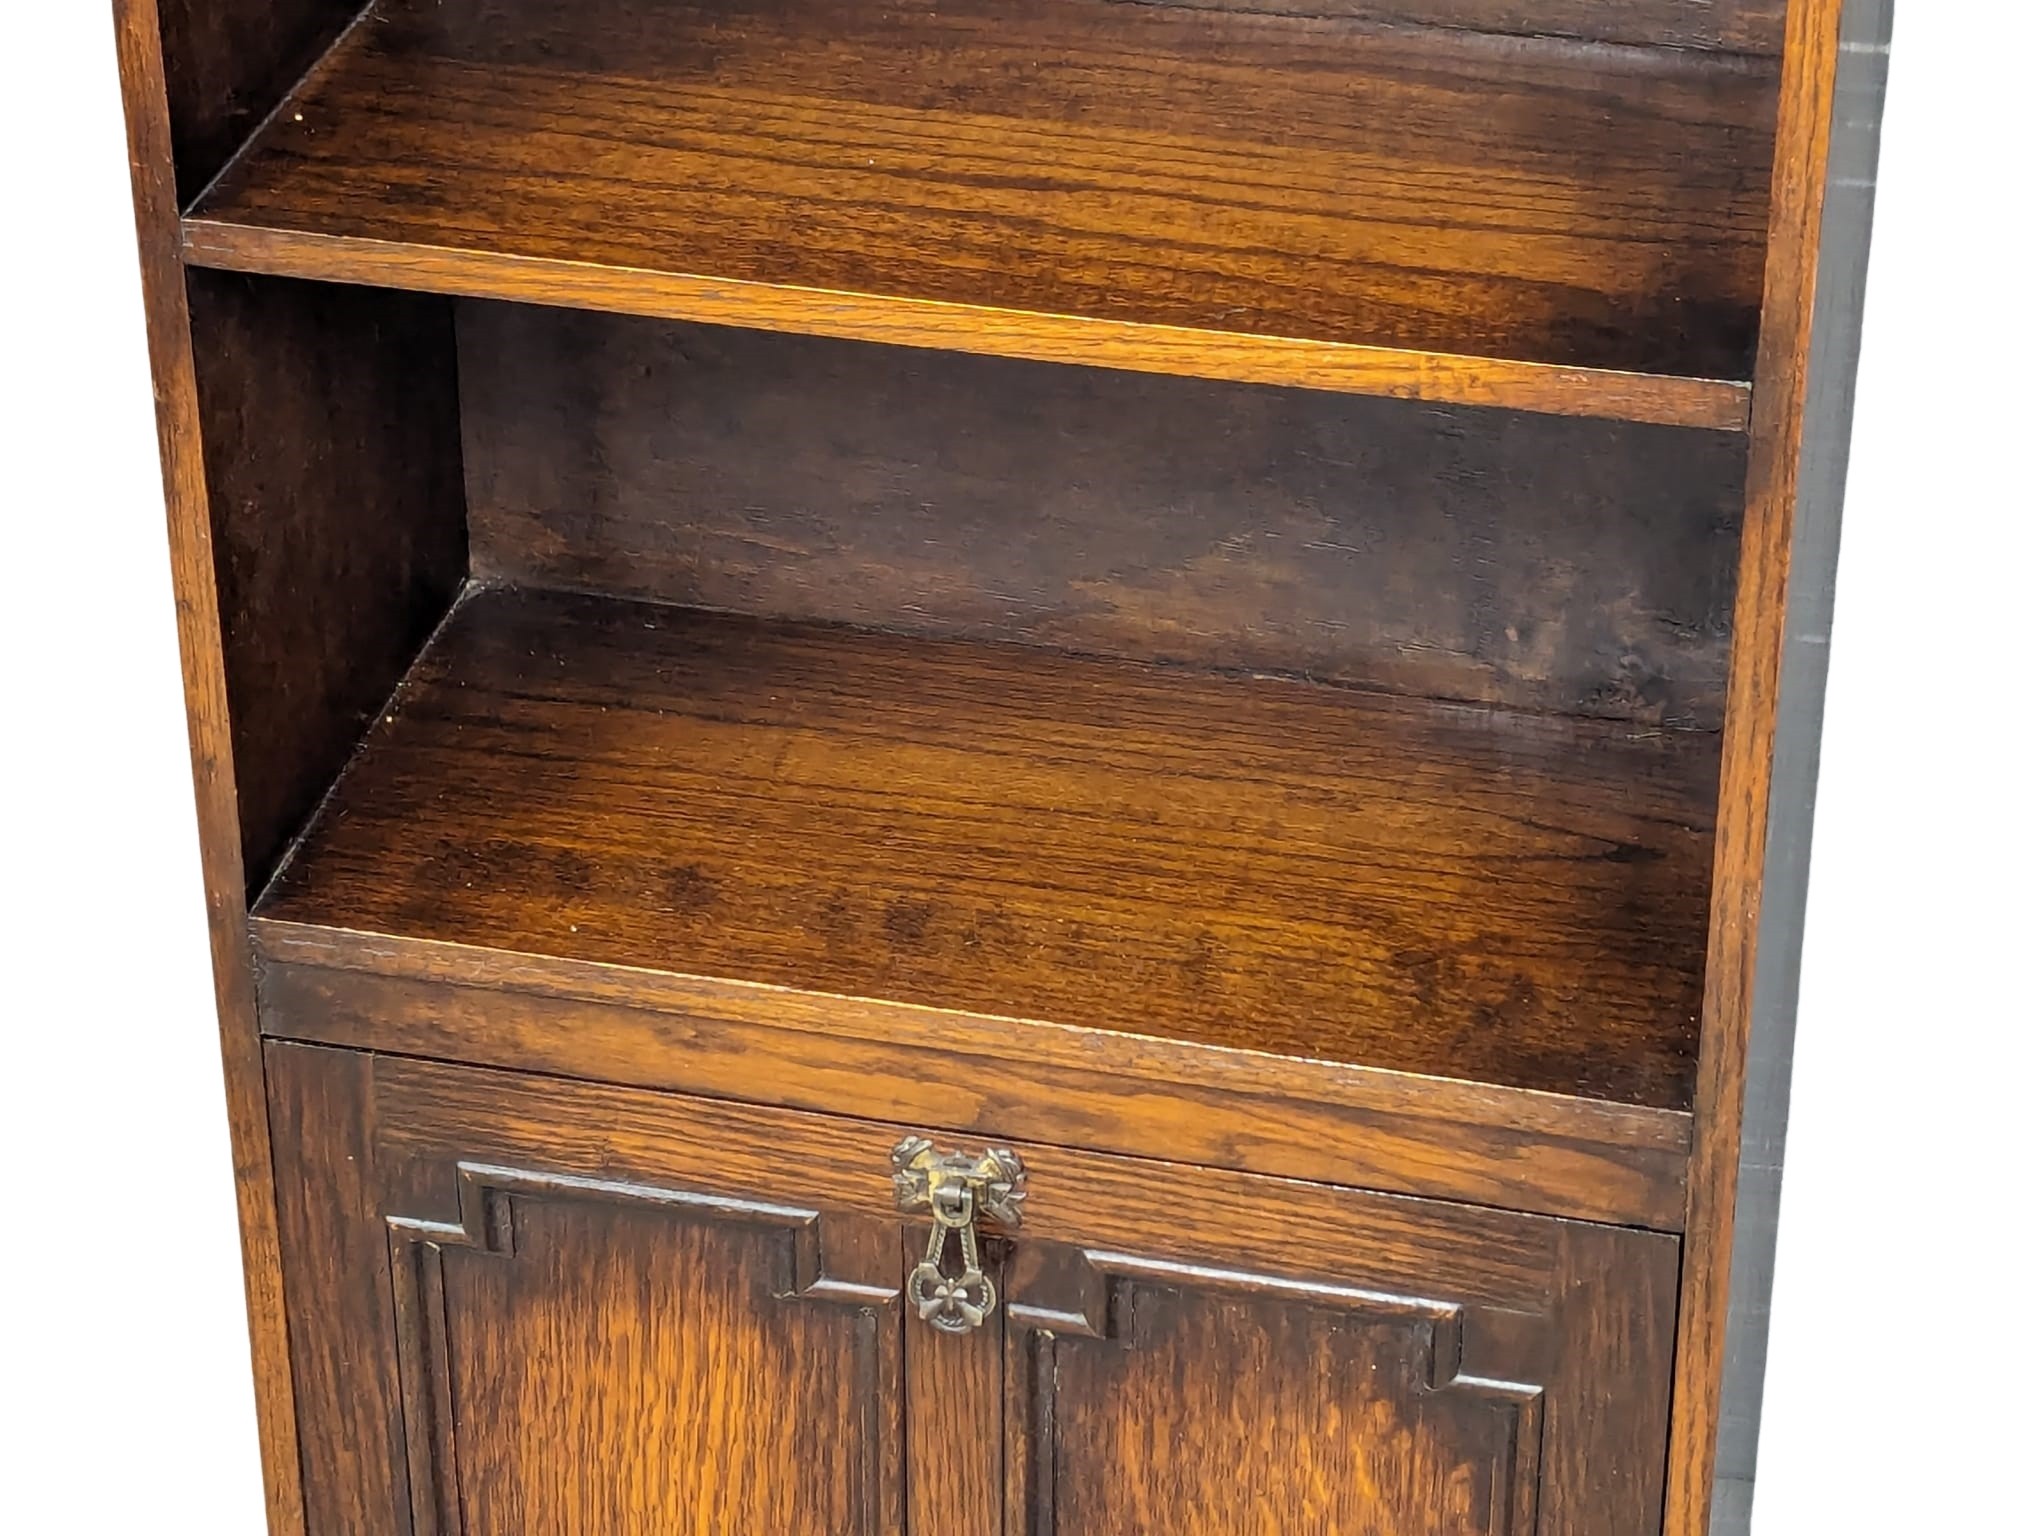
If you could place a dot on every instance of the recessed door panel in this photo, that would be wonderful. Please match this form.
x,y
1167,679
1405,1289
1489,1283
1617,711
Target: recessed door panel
x,y
1222,1416
615,1359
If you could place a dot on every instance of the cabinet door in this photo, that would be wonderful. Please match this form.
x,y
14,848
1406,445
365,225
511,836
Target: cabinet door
x,y
501,1325
527,1307
1330,1363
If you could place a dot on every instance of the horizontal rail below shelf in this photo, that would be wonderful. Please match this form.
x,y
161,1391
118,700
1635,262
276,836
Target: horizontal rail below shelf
x,y
1388,1131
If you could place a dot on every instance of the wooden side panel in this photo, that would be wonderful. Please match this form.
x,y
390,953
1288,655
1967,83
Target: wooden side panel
x,y
332,451
1786,371
228,63
1866,32
1738,26
138,37
1540,562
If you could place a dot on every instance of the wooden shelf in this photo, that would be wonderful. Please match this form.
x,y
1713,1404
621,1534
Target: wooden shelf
x,y
1249,863
1537,223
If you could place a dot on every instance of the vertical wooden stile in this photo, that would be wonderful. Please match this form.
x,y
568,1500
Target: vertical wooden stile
x,y
139,39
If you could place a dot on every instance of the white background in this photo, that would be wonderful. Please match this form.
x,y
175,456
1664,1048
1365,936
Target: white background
x,y
1904,1374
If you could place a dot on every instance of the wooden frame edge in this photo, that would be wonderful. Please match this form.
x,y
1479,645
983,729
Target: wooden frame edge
x,y
1719,405
144,93
1554,1155
1798,444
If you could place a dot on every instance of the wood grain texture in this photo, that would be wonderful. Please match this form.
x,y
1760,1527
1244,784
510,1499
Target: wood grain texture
x,y
1534,561
1835,342
1399,373
431,1117
978,180
622,1357
994,1079
601,1266
138,38
1739,26
332,444
1227,1414
1253,864
1604,1471
1749,737
635,1292
627,1371
1499,1302
955,1396
1293,1378
337,1279
228,64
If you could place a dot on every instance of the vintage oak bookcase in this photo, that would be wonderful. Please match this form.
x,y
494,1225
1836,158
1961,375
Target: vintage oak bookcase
x,y
1029,768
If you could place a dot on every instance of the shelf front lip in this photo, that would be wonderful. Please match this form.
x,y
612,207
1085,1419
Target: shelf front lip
x,y
1721,405
1511,1148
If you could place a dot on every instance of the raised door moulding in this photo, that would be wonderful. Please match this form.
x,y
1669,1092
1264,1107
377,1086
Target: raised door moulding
x,y
1061,1297
487,1223
1087,1297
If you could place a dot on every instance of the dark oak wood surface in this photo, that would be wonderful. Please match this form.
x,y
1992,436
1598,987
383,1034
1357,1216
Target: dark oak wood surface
x,y
987,1078
1542,562
227,64
140,43
1179,1349
332,442
1347,1430
336,1269
627,1371
1251,863
571,1354
1738,26
955,1389
1173,189
1749,740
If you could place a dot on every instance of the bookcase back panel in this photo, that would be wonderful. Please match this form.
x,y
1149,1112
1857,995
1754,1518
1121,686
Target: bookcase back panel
x,y
227,63
1738,26
332,453
1537,562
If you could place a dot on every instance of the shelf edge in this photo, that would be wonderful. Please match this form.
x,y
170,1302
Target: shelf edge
x,y
1720,405
1369,1127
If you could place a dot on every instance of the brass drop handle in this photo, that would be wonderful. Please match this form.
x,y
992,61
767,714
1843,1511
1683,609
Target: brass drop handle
x,y
958,1189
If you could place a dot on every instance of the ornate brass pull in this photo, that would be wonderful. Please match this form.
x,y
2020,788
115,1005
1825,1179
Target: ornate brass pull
x,y
957,1189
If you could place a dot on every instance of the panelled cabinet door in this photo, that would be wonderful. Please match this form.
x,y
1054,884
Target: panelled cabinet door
x,y
1338,1364
494,1336
526,1307
588,1355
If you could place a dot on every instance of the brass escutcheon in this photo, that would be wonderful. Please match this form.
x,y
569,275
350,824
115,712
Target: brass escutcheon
x,y
958,1189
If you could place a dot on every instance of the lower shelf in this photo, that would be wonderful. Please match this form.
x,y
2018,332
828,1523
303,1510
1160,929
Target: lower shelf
x,y
1248,863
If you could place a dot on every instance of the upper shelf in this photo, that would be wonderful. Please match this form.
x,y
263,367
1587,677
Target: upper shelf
x,y
1548,225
